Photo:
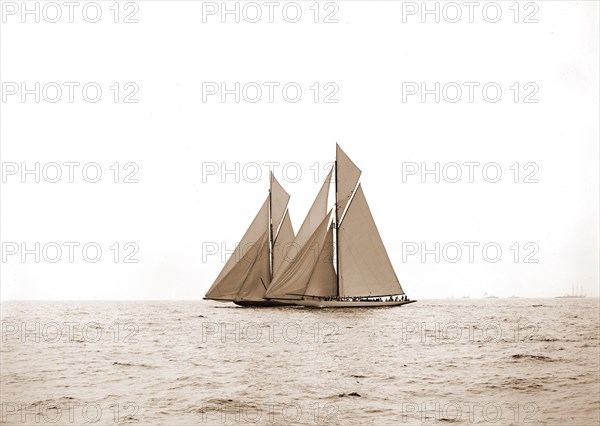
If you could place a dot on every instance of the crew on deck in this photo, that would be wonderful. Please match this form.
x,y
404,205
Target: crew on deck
x,y
400,298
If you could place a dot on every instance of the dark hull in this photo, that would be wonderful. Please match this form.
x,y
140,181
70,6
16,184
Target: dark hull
x,y
261,303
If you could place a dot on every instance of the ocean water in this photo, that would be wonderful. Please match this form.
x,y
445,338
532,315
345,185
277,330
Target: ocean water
x,y
463,361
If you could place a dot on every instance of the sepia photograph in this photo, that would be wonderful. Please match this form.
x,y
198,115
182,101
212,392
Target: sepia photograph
x,y
309,212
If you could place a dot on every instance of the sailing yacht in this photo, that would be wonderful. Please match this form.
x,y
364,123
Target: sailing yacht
x,y
574,294
336,260
249,270
344,262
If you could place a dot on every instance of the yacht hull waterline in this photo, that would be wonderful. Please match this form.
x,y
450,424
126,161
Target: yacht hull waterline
x,y
254,303
321,303
260,303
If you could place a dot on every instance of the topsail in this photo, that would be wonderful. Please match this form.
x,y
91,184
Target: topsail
x,y
347,175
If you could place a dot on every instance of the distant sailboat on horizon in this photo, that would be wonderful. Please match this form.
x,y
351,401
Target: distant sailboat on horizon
x,y
341,260
574,295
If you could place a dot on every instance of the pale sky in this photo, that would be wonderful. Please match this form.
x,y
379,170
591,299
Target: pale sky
x,y
172,136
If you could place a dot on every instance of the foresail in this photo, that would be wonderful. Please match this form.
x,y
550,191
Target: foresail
x,y
255,283
237,280
283,242
315,216
228,283
365,268
347,175
292,283
323,281
279,202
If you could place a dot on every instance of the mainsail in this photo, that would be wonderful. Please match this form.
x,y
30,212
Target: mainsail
x,y
365,267
248,271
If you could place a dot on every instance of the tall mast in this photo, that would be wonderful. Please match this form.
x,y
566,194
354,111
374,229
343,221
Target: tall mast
x,y
337,230
270,228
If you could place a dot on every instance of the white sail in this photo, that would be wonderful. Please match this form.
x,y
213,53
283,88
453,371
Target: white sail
x,y
283,242
346,178
364,266
233,274
314,217
292,283
256,281
323,281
